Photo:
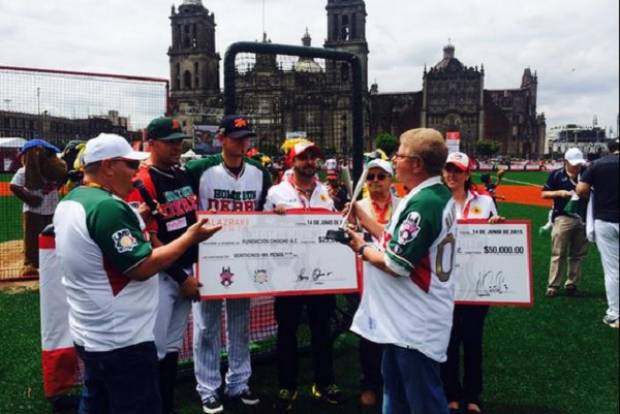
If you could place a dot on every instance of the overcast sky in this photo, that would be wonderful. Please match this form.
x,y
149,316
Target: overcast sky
x,y
572,44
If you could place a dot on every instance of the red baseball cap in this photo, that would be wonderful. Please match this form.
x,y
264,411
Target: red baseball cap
x,y
459,159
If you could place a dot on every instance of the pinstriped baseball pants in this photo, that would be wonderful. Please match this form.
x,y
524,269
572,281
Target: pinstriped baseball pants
x,y
207,346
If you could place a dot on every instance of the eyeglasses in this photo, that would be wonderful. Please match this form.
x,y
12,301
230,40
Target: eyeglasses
x,y
133,164
379,177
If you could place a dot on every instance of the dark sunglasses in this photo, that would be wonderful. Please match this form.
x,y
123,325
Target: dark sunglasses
x,y
133,164
379,177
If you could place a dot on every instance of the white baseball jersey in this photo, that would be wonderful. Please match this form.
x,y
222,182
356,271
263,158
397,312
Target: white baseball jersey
x,y
286,195
220,190
99,238
413,310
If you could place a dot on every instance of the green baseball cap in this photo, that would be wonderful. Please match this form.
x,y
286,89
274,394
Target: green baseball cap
x,y
165,129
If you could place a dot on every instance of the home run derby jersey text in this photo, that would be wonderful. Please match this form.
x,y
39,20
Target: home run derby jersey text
x,y
220,190
418,245
99,238
177,206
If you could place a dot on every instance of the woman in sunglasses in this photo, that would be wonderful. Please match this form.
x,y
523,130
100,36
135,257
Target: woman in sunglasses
x,y
468,322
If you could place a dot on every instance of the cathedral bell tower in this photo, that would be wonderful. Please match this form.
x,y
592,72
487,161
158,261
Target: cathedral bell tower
x,y
346,31
194,64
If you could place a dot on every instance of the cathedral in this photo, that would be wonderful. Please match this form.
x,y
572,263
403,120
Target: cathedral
x,y
282,96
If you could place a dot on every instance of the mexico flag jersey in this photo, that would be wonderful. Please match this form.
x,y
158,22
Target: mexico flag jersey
x,y
99,238
414,309
220,190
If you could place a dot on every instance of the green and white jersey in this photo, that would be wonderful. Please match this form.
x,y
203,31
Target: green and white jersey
x,y
415,309
99,238
220,190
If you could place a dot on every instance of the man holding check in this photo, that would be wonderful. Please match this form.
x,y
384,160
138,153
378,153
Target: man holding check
x,y
408,296
301,190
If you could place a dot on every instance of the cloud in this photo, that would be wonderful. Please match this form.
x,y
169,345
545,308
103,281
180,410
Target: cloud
x,y
552,37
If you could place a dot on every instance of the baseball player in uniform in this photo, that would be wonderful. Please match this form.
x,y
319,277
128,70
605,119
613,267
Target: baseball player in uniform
x,y
302,190
169,185
408,295
108,264
227,182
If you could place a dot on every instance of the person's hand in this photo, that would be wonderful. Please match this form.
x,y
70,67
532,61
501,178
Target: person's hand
x,y
145,211
280,210
357,241
565,194
497,220
199,231
190,288
34,200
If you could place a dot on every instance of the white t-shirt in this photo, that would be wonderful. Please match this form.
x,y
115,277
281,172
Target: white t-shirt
x,y
477,206
286,195
48,194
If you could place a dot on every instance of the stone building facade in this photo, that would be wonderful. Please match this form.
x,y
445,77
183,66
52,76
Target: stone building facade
x,y
315,96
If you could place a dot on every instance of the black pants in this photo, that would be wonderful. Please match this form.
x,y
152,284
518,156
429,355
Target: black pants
x,y
288,315
467,330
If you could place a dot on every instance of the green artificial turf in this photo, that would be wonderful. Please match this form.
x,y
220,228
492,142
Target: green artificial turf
x,y
517,177
555,358
10,219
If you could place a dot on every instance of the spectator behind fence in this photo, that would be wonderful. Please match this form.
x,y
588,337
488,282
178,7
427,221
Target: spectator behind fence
x,y
568,237
36,184
602,179
108,266
408,298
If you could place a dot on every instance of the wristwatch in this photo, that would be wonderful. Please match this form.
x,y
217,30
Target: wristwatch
x,y
360,251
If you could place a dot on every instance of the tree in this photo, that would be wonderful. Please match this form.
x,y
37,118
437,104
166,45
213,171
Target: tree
x,y
486,148
387,142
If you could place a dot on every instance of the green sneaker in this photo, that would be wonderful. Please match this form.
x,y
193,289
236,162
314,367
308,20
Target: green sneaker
x,y
330,394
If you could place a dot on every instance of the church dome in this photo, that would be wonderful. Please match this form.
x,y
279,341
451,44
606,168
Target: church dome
x,y
307,65
449,61
191,3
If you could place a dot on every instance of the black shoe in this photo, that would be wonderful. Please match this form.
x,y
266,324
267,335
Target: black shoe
x,y
330,394
571,290
212,405
247,397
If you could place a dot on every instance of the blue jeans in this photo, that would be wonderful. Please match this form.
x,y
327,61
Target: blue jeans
x,y
122,381
412,384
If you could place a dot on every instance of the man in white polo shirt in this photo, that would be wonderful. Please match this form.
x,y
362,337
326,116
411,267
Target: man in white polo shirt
x,y
108,264
302,191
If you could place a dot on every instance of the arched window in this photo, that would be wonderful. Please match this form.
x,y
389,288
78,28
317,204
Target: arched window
x,y
187,80
196,75
346,30
177,76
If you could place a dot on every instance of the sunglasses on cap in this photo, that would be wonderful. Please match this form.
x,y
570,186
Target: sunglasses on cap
x,y
379,177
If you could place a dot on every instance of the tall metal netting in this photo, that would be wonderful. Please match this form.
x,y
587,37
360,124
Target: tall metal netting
x,y
59,107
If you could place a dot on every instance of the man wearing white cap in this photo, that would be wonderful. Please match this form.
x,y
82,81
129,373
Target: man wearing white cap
x,y
568,236
108,264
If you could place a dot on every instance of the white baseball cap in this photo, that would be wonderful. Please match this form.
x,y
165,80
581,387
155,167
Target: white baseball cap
x,y
459,159
384,165
108,146
574,156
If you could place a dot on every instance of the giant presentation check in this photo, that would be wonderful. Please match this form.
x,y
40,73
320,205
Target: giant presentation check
x,y
271,255
493,263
